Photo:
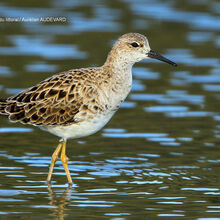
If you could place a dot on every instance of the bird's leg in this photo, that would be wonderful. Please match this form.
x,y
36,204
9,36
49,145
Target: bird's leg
x,y
53,161
64,160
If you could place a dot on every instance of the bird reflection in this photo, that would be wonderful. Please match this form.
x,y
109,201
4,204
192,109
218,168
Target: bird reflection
x,y
59,202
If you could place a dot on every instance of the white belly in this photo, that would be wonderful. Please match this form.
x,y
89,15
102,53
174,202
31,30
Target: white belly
x,y
80,129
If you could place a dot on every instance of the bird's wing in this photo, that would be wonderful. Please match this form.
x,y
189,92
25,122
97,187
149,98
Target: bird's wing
x,y
62,99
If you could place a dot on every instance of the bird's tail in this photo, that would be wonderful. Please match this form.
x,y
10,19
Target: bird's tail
x,y
3,105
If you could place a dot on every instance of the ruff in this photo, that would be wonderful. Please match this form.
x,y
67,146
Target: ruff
x,y
79,102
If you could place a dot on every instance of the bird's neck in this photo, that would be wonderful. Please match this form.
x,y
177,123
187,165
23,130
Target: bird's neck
x,y
119,72
117,63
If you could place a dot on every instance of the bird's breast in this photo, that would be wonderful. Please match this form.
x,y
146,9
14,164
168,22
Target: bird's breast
x,y
119,90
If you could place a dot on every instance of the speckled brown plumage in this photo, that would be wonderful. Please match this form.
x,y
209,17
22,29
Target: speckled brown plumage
x,y
56,100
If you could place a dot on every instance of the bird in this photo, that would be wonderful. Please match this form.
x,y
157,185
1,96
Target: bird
x,y
79,102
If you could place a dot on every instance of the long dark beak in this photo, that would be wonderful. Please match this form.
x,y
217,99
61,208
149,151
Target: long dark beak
x,y
155,55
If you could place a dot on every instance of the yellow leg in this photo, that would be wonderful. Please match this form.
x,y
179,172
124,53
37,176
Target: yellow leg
x,y
64,160
53,161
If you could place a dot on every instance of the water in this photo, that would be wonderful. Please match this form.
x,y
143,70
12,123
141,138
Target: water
x,y
158,158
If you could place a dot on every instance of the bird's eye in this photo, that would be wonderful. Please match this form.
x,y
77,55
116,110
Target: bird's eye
x,y
134,44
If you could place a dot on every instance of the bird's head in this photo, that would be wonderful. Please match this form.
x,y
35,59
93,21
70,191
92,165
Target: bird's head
x,y
134,47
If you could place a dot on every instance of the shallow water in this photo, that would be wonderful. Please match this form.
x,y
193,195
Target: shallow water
x,y
158,158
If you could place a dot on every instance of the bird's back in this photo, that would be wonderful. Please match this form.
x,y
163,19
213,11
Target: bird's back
x,y
56,100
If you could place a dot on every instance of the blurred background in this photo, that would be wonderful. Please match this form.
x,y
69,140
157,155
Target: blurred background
x,y
158,158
